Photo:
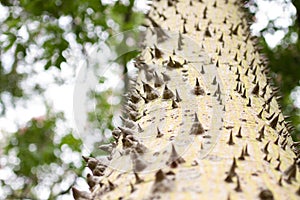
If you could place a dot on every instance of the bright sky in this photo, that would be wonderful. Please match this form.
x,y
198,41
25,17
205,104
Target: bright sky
x,y
276,10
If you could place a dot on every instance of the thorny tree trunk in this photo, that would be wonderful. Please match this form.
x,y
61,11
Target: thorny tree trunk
x,y
206,122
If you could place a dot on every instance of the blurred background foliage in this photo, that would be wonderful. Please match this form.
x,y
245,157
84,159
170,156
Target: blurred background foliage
x,y
284,58
41,159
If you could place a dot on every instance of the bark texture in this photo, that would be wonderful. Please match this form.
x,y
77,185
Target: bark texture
x,y
203,121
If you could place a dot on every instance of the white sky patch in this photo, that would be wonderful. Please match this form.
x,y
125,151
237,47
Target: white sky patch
x,y
281,11
7,59
61,96
142,5
274,39
22,114
295,96
64,21
23,33
3,13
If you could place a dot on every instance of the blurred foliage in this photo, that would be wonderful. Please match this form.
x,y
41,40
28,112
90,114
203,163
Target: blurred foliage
x,y
284,62
100,113
46,32
37,151
38,135
43,24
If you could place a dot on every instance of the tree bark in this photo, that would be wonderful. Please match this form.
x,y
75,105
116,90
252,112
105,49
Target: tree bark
x,y
204,120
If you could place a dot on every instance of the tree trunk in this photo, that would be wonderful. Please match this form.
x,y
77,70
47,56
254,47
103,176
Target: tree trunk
x,y
205,123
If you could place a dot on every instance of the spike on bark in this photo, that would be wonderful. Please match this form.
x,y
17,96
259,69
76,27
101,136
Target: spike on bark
x,y
157,80
178,99
255,90
126,131
271,116
197,27
197,127
180,42
174,158
238,187
274,122
230,140
167,93
215,4
246,153
170,62
214,82
198,90
261,134
184,29
278,166
165,77
77,194
174,104
207,32
159,176
137,178
128,123
140,128
157,52
159,134
111,186
260,114
265,149
291,172
249,102
132,188
277,140
231,172
235,31
205,13
242,156
239,134
202,70
246,73
266,194
217,63
151,93
221,39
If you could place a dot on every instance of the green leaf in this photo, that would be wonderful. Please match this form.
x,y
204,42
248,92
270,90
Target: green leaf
x,y
73,143
102,79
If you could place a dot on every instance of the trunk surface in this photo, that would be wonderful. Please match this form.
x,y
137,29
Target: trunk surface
x,y
223,137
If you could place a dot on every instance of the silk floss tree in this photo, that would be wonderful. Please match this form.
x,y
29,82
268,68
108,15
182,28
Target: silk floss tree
x,y
202,119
